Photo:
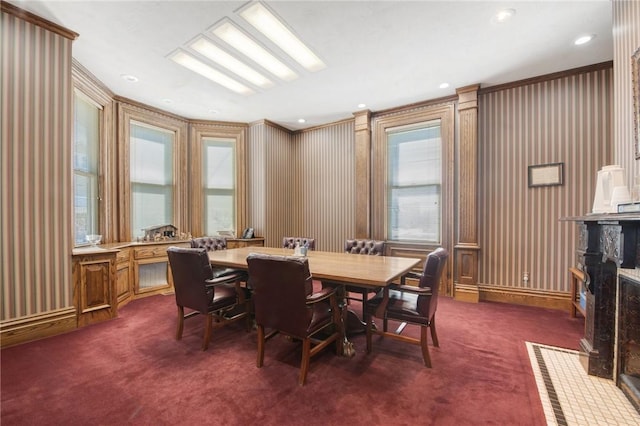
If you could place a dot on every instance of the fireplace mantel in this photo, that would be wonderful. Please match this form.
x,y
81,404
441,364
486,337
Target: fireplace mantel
x,y
608,246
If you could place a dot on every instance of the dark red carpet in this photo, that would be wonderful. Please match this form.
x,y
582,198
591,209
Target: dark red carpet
x,y
131,370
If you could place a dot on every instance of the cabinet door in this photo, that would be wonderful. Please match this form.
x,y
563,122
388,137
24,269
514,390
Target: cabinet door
x,y
94,292
151,275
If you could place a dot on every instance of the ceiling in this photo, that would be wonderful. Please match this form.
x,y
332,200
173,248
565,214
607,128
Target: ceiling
x,y
381,53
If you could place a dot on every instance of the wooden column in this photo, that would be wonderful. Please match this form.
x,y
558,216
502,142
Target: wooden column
x,y
466,249
363,173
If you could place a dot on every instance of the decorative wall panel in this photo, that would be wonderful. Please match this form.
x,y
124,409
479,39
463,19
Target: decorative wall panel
x,y
567,120
35,167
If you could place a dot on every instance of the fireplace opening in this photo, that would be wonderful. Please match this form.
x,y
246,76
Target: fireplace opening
x,y
628,342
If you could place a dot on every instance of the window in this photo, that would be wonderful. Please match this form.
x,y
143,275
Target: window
x,y
86,142
414,183
218,162
151,176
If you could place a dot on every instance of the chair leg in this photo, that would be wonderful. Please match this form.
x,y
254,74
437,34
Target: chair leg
x,y
260,359
208,325
434,335
425,347
180,322
306,356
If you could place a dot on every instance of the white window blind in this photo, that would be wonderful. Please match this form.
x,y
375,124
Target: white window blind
x,y
151,176
414,183
219,184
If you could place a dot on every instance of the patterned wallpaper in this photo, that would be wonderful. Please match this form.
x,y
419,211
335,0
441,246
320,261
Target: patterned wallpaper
x,y
626,40
567,120
35,160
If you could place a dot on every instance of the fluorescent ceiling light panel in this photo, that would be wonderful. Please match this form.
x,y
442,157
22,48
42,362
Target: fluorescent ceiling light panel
x,y
265,22
212,74
243,43
219,56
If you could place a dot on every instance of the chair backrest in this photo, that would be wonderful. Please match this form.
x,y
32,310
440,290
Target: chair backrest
x,y
370,247
280,287
190,269
290,242
209,243
431,274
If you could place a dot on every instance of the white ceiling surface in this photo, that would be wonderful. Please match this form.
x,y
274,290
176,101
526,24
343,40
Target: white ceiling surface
x,y
381,53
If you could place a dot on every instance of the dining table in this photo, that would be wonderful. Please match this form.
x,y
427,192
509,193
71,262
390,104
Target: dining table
x,y
372,272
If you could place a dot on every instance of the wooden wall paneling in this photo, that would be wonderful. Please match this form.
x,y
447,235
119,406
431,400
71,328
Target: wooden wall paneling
x,y
363,173
466,248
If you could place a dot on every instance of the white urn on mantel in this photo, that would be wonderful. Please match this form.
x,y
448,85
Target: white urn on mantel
x,y
611,190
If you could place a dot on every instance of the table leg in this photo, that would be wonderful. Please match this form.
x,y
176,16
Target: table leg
x,y
347,347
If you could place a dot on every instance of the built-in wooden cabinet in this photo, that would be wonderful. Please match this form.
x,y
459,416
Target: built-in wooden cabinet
x,y
94,277
151,271
245,242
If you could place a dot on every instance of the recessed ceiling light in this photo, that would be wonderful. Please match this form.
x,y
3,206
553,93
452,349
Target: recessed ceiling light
x,y
266,22
584,39
504,15
167,101
302,120
219,56
212,74
443,85
362,105
130,78
243,43
213,111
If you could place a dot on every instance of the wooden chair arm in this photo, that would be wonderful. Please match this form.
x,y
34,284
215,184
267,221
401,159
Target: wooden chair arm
x,y
420,291
413,275
323,294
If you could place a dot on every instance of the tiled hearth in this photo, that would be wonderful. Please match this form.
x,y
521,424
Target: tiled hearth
x,y
572,397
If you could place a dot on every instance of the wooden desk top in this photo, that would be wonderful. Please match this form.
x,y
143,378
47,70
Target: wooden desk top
x,y
368,271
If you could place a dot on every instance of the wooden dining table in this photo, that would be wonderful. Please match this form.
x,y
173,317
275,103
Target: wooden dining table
x,y
372,272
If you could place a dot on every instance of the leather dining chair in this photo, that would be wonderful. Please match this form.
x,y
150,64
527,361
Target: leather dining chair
x,y
361,247
290,242
410,305
197,290
214,244
284,303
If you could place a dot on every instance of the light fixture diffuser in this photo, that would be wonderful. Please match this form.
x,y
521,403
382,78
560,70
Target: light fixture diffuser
x,y
212,74
244,44
219,56
268,24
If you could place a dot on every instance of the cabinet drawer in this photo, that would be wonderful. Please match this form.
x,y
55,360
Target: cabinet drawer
x,y
147,252
122,256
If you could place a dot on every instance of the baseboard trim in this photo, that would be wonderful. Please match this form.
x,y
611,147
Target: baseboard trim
x,y
518,296
38,326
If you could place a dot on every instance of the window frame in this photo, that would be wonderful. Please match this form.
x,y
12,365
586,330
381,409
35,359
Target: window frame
x,y
128,114
229,131
409,118
99,215
428,184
